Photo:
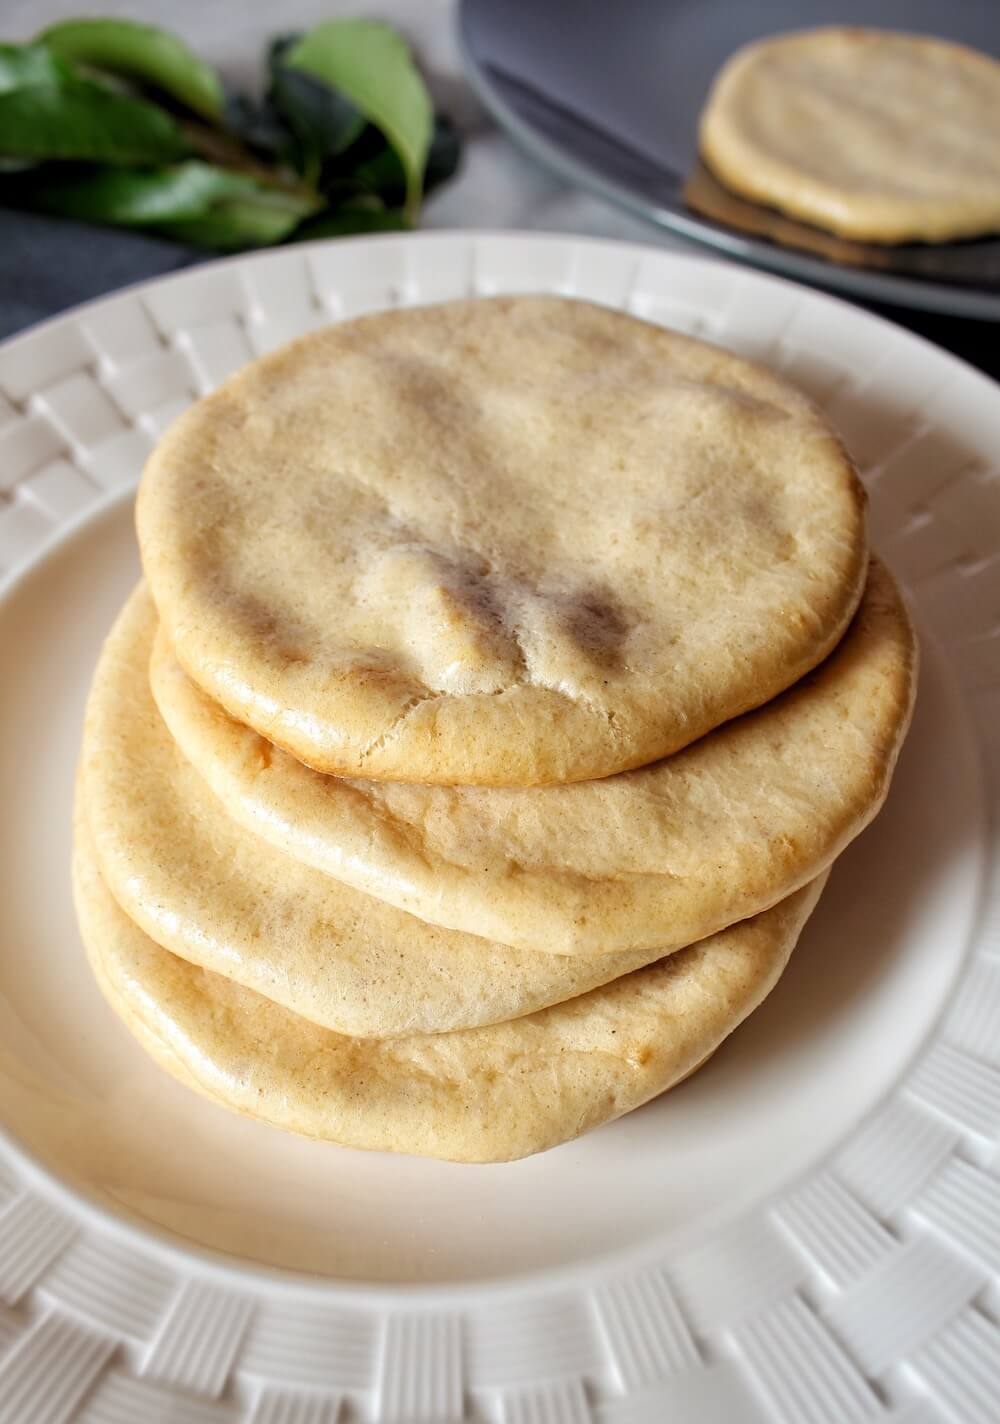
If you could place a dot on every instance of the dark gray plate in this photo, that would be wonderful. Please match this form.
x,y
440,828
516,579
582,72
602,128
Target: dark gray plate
x,y
609,92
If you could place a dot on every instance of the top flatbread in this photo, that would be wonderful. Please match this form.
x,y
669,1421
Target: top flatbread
x,y
659,856
878,136
508,541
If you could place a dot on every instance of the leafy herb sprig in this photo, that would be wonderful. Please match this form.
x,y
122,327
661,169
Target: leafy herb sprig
x,y
111,121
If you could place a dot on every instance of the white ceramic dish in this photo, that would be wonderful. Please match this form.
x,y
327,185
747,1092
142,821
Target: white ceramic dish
x,y
807,1231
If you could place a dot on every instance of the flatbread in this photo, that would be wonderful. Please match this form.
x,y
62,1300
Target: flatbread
x,y
206,889
512,541
656,857
481,1095
873,135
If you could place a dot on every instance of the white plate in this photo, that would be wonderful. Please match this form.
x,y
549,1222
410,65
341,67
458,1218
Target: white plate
x,y
806,1233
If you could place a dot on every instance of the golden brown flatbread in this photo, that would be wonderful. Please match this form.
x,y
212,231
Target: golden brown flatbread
x,y
510,541
870,134
652,858
208,890
480,1095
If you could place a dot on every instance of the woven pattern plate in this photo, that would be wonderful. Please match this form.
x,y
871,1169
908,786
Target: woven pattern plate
x,y
860,1288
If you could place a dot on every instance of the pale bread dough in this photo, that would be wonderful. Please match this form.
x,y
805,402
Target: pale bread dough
x,y
509,541
481,1095
206,889
650,858
873,135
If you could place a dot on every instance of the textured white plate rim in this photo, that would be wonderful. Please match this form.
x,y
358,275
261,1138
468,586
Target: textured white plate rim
x,y
198,1262
694,260
219,1266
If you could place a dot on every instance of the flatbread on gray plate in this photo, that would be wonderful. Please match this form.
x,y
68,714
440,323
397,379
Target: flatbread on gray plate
x,y
654,858
480,1095
512,541
871,134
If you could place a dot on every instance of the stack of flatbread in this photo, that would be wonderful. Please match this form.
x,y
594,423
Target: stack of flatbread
x,y
506,678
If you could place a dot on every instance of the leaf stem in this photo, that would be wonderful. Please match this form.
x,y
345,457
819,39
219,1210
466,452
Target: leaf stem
x,y
228,152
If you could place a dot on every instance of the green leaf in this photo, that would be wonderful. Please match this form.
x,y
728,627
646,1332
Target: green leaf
x,y
323,121
346,222
380,170
22,65
141,52
255,219
258,124
444,155
46,111
382,174
370,65
129,197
